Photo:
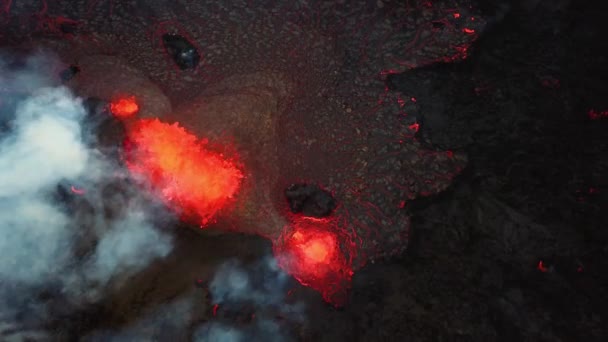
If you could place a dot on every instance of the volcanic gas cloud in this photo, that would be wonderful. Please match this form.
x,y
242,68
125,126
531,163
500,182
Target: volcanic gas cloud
x,y
191,178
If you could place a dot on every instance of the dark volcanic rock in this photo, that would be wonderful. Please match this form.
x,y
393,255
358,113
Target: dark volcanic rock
x,y
182,51
69,73
310,200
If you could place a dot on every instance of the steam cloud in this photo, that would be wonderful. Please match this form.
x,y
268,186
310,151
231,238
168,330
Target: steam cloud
x,y
251,306
170,322
43,148
258,290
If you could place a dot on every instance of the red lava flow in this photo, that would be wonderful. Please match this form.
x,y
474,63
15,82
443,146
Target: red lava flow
x,y
311,251
193,180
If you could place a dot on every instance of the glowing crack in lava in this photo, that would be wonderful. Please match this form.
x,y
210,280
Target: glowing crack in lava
x,y
124,107
193,180
311,251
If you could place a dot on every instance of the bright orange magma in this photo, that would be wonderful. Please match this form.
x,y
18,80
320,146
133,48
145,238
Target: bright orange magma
x,y
124,107
309,249
193,180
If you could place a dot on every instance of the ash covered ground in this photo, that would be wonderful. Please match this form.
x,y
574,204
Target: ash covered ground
x,y
464,143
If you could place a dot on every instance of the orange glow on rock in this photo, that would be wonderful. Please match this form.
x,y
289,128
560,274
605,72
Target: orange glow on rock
x,y
310,251
193,180
124,107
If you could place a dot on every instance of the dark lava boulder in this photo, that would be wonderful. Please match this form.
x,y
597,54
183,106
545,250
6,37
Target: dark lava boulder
x,y
182,51
310,200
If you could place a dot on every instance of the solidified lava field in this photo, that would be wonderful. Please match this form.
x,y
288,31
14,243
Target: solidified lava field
x,y
453,150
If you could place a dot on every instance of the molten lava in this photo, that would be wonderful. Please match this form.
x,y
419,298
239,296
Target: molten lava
x,y
193,180
315,249
124,107
310,250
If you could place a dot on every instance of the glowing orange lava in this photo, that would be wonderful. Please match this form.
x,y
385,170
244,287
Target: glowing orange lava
x,y
195,181
310,251
315,249
124,107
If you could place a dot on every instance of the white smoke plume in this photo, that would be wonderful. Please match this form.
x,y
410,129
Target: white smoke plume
x,y
44,147
259,290
248,303
170,322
